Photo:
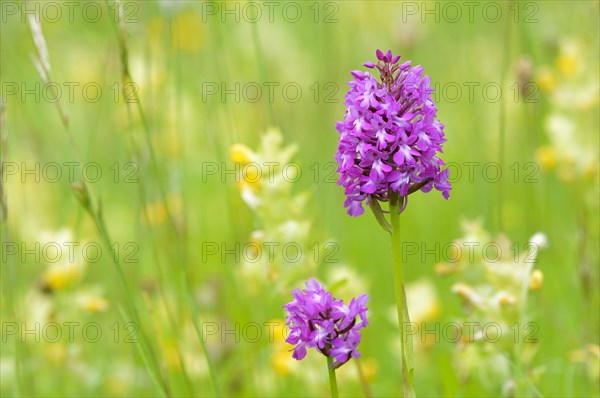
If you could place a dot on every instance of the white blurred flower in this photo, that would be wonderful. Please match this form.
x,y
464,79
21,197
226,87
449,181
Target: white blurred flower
x,y
423,302
250,197
539,240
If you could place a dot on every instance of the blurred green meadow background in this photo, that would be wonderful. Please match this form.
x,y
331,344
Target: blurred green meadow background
x,y
168,179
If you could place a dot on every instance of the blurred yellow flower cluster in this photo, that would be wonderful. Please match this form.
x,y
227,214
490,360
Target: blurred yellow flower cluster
x,y
65,270
278,251
495,274
494,278
65,274
60,298
572,85
269,174
589,356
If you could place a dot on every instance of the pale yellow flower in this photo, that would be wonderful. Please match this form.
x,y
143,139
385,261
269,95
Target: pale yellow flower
x,y
63,275
546,80
281,358
240,153
537,280
93,303
546,157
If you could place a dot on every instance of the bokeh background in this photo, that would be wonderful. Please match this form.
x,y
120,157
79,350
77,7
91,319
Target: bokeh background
x,y
173,102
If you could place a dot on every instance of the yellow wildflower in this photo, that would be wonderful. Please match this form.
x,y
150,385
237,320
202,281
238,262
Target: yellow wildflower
x,y
241,154
281,359
546,80
93,303
63,275
546,157
537,280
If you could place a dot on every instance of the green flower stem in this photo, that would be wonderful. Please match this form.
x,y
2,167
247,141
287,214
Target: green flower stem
x,y
403,318
332,379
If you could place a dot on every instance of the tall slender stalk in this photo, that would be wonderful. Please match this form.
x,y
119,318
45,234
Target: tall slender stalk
x,y
407,381
332,378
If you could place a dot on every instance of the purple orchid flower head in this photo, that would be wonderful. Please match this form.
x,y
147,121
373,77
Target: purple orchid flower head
x,y
390,137
317,320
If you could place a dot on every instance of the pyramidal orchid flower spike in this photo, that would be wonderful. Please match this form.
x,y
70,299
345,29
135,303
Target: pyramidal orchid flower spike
x,y
317,320
388,149
390,138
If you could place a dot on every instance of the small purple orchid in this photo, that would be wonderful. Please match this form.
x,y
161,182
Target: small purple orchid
x,y
317,320
390,137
